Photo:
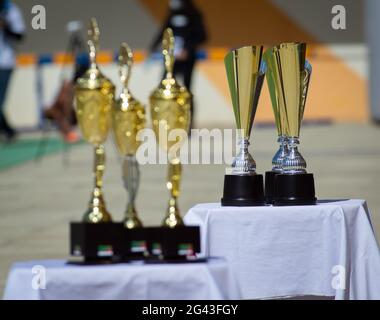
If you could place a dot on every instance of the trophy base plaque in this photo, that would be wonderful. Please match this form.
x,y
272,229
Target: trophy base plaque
x,y
270,186
113,243
96,242
243,190
294,189
175,244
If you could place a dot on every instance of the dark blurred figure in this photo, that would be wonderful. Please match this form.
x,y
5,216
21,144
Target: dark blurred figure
x,y
62,110
189,31
12,29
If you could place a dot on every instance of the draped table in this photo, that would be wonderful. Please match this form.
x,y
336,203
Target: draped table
x,y
56,280
328,249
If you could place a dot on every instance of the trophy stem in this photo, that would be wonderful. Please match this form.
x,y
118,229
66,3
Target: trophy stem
x,y
97,211
100,160
243,162
293,162
280,154
173,217
131,178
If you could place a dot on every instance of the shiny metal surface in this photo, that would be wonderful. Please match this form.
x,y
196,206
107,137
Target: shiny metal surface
x,y
94,94
128,118
280,155
245,73
131,179
288,78
170,110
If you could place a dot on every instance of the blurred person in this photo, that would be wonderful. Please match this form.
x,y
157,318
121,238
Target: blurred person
x,y
61,111
12,30
186,21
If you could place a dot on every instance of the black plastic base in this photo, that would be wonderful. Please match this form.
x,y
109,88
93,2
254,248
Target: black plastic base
x,y
113,243
294,190
270,186
243,190
173,243
96,242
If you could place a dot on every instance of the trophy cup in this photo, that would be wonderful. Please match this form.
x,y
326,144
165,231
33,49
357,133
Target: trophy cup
x,y
94,95
282,138
128,117
288,79
170,109
245,74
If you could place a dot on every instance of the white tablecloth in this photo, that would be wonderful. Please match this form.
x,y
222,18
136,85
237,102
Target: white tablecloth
x,y
210,280
327,250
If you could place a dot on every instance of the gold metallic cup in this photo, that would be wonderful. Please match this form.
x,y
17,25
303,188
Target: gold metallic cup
x,y
288,80
94,94
245,79
170,109
128,118
282,139
245,74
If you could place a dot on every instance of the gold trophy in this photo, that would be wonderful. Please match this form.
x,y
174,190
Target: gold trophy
x,y
288,81
282,139
170,109
128,118
245,74
94,95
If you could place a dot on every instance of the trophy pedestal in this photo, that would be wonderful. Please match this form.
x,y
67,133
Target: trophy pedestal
x,y
243,190
294,189
96,242
112,242
270,186
175,244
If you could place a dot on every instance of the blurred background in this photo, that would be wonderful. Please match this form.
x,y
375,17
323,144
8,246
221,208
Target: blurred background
x,y
45,178
339,57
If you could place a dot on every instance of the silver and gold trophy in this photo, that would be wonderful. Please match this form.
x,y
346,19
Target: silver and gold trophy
x,y
282,139
288,76
170,109
245,73
94,95
128,118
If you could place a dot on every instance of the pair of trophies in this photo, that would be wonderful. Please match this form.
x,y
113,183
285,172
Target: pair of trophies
x,y
288,75
97,110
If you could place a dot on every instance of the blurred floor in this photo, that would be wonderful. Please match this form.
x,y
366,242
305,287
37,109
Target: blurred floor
x,y
39,199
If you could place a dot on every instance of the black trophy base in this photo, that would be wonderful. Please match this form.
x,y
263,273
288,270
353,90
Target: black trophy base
x,y
294,190
173,244
270,186
243,190
105,243
96,242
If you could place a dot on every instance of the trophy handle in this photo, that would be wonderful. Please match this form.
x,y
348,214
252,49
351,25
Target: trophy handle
x,y
168,51
125,59
173,217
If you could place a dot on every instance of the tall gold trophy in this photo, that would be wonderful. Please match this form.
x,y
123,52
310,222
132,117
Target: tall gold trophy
x,y
170,109
288,81
245,74
282,139
94,95
128,118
